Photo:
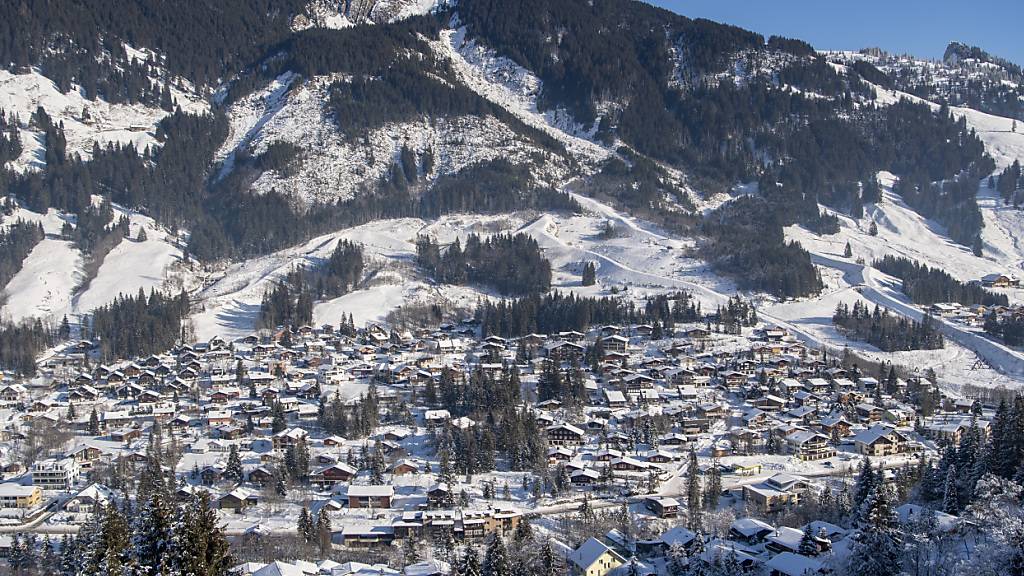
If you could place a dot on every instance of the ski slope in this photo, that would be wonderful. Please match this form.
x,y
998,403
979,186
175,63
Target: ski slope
x,y
50,283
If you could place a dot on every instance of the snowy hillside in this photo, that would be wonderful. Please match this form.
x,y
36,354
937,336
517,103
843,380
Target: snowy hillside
x,y
342,13
640,260
332,166
50,283
86,122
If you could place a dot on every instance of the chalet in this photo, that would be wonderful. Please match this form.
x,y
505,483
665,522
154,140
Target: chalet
x,y
329,475
565,435
749,530
614,398
402,467
662,507
869,412
835,421
808,445
770,403
880,440
1000,281
594,558
584,477
289,437
438,495
92,498
238,499
613,343
775,493
733,379
697,334
628,464
793,564
436,418
370,496
783,539
563,350
261,476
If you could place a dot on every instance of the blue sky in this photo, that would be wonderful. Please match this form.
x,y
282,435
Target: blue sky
x,y
917,27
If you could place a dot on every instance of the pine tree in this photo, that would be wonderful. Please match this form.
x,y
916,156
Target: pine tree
x,y
878,551
589,274
151,548
496,561
324,530
94,423
16,555
848,251
48,559
233,469
305,527
950,499
863,488
470,565
547,562
693,493
713,490
70,560
109,549
200,546
278,421
808,547
522,537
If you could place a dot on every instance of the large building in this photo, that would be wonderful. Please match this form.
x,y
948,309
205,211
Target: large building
x,y
55,474
18,496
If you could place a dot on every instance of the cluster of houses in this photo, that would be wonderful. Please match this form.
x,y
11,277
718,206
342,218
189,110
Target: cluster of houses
x,y
730,397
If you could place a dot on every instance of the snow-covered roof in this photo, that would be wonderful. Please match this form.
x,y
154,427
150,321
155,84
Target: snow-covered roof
x,y
792,564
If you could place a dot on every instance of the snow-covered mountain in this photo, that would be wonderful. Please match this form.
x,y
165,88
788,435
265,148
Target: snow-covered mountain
x,y
654,140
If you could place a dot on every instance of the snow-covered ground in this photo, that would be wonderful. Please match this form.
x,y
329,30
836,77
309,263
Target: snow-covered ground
x,y
132,265
49,283
45,285
85,121
514,88
334,165
638,262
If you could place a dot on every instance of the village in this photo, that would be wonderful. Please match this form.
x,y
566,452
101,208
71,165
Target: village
x,y
759,422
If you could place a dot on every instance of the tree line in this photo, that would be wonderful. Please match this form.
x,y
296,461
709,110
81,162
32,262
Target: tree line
x,y
290,302
560,312
512,265
1009,328
10,138
16,241
135,326
21,344
887,331
927,285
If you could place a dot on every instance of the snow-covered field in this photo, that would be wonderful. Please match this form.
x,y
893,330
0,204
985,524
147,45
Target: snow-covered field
x,y
132,265
638,262
48,285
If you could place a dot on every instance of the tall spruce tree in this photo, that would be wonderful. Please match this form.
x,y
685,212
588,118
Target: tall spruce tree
x,y
200,546
496,560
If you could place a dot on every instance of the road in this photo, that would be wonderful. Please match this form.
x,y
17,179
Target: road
x,y
999,356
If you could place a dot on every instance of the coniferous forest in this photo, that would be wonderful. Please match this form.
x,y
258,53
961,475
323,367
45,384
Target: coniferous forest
x,y
512,265
927,285
290,302
140,325
887,331
16,241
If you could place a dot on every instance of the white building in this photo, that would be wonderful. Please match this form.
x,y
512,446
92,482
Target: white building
x,y
55,473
